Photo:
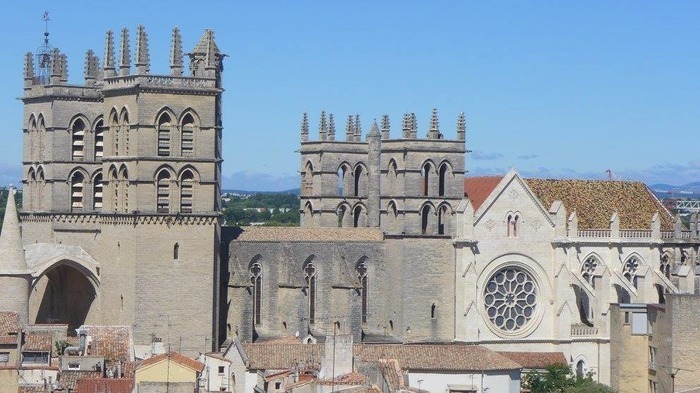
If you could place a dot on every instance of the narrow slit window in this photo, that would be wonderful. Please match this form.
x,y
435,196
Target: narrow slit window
x,y
310,271
362,276
256,281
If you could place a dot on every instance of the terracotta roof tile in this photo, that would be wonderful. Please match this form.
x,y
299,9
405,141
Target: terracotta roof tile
x,y
477,189
444,357
283,356
595,201
9,323
112,342
177,358
69,379
353,378
538,360
292,234
36,342
9,340
111,385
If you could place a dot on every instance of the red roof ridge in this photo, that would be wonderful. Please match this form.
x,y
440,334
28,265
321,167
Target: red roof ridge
x,y
177,358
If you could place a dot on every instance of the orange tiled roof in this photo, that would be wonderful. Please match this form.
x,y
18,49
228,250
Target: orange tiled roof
x,y
292,234
282,356
477,189
391,370
595,201
9,323
112,342
36,342
444,357
177,358
353,378
538,360
111,385
69,379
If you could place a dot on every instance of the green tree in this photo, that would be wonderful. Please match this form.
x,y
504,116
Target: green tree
x,y
558,378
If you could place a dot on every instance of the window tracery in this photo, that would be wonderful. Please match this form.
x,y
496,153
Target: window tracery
x,y
588,268
629,270
665,266
256,281
510,299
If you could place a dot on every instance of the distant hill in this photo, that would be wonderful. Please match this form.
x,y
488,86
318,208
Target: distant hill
x,y
689,190
294,191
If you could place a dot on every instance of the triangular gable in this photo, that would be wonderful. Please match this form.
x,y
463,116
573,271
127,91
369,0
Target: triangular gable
x,y
508,179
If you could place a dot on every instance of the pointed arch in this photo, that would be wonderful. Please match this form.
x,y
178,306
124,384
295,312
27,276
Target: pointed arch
x,y
589,266
344,178
307,179
255,270
427,211
77,128
97,190
444,212
426,169
360,175
343,212
189,124
362,272
32,137
124,129
113,127
164,124
310,278
114,187
98,148
123,188
665,264
359,215
630,267
444,171
31,186
163,180
187,183
78,182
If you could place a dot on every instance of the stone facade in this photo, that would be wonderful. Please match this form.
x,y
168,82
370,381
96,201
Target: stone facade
x,y
127,167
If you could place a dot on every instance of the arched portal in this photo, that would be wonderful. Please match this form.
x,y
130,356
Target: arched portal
x,y
63,294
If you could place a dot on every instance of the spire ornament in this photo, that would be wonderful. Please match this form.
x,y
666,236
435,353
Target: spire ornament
x,y
176,64
142,56
322,127
331,128
385,126
108,66
124,54
305,127
461,126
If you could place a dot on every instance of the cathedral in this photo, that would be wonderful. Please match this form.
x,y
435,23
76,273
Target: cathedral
x,y
121,225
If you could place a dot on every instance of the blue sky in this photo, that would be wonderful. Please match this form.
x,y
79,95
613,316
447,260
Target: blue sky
x,y
555,89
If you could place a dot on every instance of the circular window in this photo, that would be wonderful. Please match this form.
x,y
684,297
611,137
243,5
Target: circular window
x,y
510,299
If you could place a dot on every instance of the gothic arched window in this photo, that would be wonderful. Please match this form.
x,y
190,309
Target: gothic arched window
x,y
361,271
310,272
163,198
114,182
77,186
99,140
358,181
443,179
164,125
187,192
256,281
425,219
341,212
187,136
357,216
78,140
588,269
442,216
97,190
40,184
629,270
425,172
124,189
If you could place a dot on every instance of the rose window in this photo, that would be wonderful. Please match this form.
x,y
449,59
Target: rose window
x,y
588,268
510,299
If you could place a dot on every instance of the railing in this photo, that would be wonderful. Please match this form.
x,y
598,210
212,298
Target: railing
x,y
635,234
594,233
159,80
583,331
668,234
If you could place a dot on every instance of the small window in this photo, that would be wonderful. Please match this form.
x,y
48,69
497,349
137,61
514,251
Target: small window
x,y
4,357
432,311
176,251
222,370
74,366
278,385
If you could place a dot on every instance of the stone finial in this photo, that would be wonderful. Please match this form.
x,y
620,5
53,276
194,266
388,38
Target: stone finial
x,y
124,54
406,126
414,126
108,65
205,57
461,126
142,56
28,70
305,127
91,67
434,131
331,128
357,129
55,66
176,64
211,50
374,130
64,68
385,126
322,127
12,259
349,129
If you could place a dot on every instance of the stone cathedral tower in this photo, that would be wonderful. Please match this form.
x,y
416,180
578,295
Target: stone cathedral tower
x,y
405,186
122,180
